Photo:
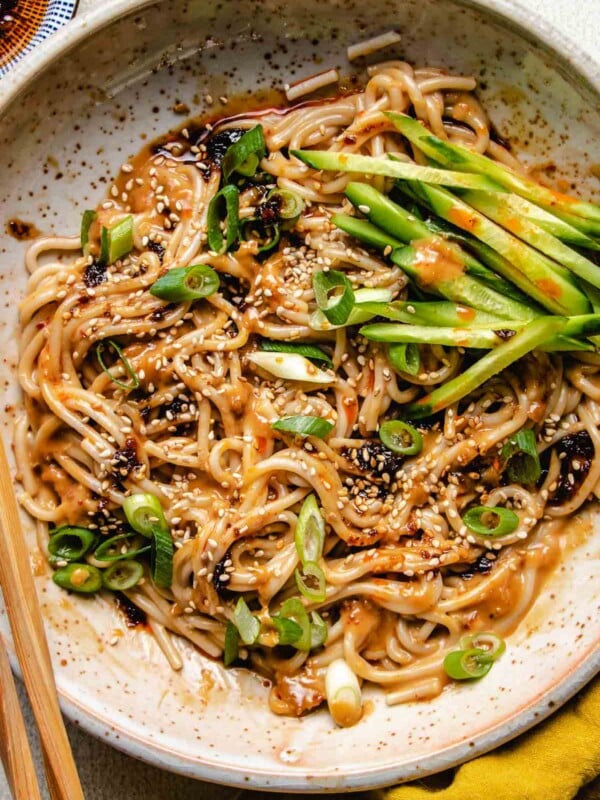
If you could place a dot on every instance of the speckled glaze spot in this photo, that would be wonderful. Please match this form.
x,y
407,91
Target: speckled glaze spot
x,y
65,130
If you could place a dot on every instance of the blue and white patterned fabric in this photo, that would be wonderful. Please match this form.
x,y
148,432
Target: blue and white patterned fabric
x,y
57,14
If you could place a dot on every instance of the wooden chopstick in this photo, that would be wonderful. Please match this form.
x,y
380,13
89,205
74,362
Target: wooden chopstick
x,y
14,744
25,618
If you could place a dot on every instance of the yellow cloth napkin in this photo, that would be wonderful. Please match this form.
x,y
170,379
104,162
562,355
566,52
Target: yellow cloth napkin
x,y
551,762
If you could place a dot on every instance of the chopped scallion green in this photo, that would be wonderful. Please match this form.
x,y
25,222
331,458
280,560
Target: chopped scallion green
x,y
135,381
78,577
247,624
243,156
304,426
69,543
122,575
334,295
181,284
401,438
223,208
491,521
116,241
521,456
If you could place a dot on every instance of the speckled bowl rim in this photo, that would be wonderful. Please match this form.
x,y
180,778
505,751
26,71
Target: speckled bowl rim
x,y
566,54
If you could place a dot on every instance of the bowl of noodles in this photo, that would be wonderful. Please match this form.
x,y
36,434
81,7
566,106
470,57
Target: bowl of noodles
x,y
302,380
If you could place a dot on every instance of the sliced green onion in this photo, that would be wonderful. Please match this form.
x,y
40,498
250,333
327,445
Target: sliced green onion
x,y
112,549
247,624
224,207
334,295
88,217
491,644
162,557
69,543
116,241
361,311
309,535
293,609
291,367
304,426
291,205
521,457
289,631
465,665
232,644
400,437
318,630
344,697
268,235
307,350
244,155
135,381
310,581
144,513
186,283
76,577
405,358
478,520
122,575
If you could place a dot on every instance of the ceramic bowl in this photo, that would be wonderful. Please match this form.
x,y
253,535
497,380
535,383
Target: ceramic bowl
x,y
70,115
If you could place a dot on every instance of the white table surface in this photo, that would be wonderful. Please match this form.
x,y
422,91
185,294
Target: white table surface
x,y
109,775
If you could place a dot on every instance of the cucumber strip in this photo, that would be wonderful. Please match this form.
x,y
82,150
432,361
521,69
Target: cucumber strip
x,y
452,282
475,337
558,227
365,231
461,158
528,231
533,335
394,332
384,213
538,276
402,224
440,313
392,168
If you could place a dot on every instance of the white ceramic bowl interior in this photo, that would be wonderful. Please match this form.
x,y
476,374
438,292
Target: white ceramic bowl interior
x,y
71,114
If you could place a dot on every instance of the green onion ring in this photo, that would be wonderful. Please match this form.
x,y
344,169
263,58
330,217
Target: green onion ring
x,y
400,437
309,535
122,575
467,664
69,543
337,308
492,644
182,284
77,577
405,358
144,513
507,520
311,582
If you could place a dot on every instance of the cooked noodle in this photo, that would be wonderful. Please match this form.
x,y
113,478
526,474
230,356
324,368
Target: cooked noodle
x,y
405,579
